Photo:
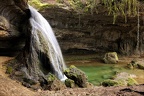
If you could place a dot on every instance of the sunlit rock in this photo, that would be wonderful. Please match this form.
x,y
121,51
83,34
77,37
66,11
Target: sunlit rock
x,y
77,75
111,58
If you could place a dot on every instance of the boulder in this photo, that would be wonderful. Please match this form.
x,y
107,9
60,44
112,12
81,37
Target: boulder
x,y
136,65
70,83
111,58
54,83
77,75
140,66
121,79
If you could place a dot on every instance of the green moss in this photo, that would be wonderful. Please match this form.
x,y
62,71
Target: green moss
x,y
38,4
51,77
77,75
70,83
122,82
131,81
110,83
9,70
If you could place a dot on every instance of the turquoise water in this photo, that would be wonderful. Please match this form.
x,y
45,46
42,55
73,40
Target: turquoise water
x,y
97,71
97,74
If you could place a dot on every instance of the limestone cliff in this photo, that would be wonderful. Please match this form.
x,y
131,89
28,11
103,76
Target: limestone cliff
x,y
88,33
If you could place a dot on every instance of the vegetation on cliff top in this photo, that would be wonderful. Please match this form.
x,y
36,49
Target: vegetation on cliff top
x,y
123,8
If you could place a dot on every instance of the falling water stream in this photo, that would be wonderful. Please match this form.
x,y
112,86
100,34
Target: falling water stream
x,y
44,41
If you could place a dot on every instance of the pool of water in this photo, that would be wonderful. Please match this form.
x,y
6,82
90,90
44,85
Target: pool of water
x,y
97,71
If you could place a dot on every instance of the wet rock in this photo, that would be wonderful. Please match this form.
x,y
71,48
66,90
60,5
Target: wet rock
x,y
77,75
111,58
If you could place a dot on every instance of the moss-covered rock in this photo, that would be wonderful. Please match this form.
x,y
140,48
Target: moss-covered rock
x,y
77,75
70,83
54,83
111,58
131,81
121,79
9,70
133,65
140,66
109,82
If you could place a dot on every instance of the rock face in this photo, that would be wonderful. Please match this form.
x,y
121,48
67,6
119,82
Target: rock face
x,y
88,33
111,58
14,25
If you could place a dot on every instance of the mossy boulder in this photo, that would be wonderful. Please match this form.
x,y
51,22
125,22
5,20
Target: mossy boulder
x,y
121,79
54,83
140,66
135,65
111,58
131,81
70,83
109,82
77,75
132,65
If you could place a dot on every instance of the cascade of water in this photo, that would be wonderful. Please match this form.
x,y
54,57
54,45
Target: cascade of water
x,y
43,39
138,30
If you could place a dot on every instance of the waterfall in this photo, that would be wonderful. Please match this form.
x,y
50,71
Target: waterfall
x,y
138,31
44,41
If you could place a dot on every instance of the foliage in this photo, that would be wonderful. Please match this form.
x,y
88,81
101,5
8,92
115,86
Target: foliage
x,y
80,6
121,7
114,7
38,4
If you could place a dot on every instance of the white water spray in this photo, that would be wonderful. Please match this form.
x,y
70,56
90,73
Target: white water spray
x,y
43,39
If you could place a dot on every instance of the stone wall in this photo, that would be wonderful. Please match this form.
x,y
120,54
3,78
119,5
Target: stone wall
x,y
94,33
